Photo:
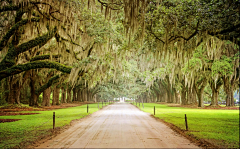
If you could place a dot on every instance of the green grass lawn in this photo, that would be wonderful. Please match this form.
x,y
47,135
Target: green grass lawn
x,y
30,127
218,126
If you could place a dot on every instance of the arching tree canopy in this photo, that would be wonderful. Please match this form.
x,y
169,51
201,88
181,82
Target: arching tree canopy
x,y
152,50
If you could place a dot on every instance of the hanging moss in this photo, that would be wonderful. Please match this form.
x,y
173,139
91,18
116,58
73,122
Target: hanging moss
x,y
39,41
13,29
43,57
9,61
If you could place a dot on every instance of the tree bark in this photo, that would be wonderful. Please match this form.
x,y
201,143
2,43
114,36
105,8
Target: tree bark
x,y
177,98
183,97
74,94
56,91
191,95
228,88
16,92
200,98
78,95
215,91
11,91
6,89
69,95
33,99
46,97
199,88
57,95
63,98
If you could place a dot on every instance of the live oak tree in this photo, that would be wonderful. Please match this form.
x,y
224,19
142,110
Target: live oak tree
x,y
38,34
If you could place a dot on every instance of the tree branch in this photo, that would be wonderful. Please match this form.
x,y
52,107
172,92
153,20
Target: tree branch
x,y
231,29
156,37
5,39
34,65
9,8
39,41
9,61
43,57
50,82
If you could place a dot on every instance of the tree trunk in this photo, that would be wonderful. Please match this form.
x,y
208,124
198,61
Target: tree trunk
x,y
194,96
7,89
56,91
214,100
84,95
69,95
169,97
215,91
33,98
228,88
199,90
165,96
89,94
57,95
46,97
17,91
183,97
184,100
200,99
63,98
11,99
78,95
191,95
177,98
158,97
74,94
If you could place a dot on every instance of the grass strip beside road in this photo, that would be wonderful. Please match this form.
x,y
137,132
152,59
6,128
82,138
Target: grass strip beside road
x,y
220,127
32,127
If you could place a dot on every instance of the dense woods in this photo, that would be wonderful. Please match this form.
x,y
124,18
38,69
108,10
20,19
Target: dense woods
x,y
178,51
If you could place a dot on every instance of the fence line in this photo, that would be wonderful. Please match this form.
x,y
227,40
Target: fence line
x,y
39,129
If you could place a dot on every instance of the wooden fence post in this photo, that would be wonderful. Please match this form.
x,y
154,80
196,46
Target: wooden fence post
x,y
154,110
87,108
53,120
186,122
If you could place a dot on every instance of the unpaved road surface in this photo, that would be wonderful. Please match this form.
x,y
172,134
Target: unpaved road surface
x,y
120,125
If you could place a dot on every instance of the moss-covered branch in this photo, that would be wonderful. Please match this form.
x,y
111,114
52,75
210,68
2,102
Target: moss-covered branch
x,y
5,39
50,82
8,60
39,41
43,57
34,65
9,8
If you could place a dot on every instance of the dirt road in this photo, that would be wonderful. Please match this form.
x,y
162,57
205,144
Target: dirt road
x,y
119,125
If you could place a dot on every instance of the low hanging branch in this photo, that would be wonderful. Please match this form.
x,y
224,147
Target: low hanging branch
x,y
8,60
34,65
